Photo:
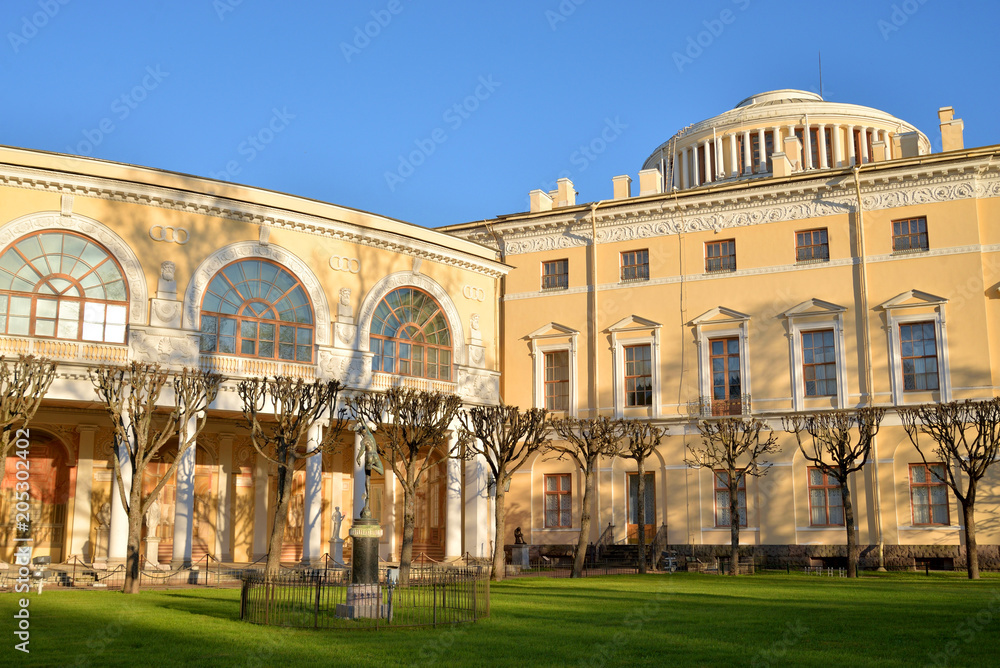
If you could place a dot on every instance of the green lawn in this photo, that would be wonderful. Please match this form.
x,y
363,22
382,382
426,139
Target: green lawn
x,y
682,619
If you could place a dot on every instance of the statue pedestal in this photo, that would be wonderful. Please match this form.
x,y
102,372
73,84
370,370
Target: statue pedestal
x,y
337,550
153,553
363,600
365,536
520,555
99,558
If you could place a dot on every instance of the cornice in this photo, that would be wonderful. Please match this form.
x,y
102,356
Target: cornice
x,y
15,176
825,195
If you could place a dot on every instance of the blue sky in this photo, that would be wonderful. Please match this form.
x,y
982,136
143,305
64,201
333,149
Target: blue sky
x,y
446,112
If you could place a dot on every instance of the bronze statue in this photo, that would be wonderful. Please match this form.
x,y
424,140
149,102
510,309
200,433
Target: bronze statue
x,y
518,536
368,456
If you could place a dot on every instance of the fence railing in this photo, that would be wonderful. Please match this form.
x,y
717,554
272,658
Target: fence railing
x,y
328,600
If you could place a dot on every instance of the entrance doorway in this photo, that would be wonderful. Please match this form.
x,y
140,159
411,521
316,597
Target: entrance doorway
x,y
633,508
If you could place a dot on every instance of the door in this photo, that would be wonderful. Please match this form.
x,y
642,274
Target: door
x,y
727,386
633,508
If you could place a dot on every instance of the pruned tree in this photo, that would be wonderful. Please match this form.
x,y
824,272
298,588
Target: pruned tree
x,y
131,395
840,443
505,437
585,441
965,438
732,447
23,384
279,412
643,438
414,427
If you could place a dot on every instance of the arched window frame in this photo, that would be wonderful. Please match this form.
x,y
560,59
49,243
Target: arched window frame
x,y
259,313
58,314
435,360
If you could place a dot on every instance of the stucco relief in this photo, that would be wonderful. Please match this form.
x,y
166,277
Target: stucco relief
x,y
251,249
479,386
348,369
163,349
53,220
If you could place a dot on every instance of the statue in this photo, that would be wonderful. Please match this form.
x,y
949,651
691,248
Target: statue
x,y
338,519
166,287
344,312
153,517
518,537
368,456
104,515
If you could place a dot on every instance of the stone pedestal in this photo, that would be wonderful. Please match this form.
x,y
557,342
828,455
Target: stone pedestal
x,y
152,551
363,600
519,555
99,558
365,535
337,550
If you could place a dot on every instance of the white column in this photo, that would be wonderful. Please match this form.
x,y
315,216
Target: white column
x,y
453,504
118,532
734,165
686,164
888,144
312,523
807,150
864,146
838,152
776,145
223,544
695,175
389,515
762,156
476,504
677,170
852,159
821,133
184,503
260,504
358,481
707,146
82,507
747,159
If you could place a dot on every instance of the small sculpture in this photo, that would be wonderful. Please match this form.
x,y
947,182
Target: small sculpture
x,y
344,307
167,271
368,456
153,517
104,515
338,519
518,537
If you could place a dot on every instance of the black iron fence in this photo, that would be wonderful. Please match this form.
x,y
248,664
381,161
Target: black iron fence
x,y
328,600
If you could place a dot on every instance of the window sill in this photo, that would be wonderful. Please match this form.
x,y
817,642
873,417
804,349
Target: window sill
x,y
561,530
911,251
822,260
727,528
634,280
556,289
930,527
721,271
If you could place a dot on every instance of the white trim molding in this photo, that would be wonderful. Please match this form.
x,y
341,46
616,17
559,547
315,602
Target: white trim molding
x,y
627,326
732,323
554,337
915,306
816,315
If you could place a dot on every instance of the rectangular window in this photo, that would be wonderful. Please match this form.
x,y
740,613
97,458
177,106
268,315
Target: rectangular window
x,y
555,275
638,376
918,354
558,502
557,380
819,363
727,390
826,505
755,149
909,235
635,265
722,499
720,256
928,494
811,245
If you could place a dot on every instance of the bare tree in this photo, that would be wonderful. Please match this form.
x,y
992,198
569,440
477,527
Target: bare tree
x,y
732,447
131,395
279,412
504,436
966,439
643,439
23,384
414,426
585,441
834,451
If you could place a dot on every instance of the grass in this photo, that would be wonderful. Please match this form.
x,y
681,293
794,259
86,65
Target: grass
x,y
681,619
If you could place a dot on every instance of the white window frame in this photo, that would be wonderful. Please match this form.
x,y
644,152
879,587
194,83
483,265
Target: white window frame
x,y
705,330
900,311
810,316
540,346
618,345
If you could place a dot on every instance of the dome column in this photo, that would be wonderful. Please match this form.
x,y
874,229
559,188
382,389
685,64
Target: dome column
x,y
695,176
747,159
686,165
852,158
807,148
734,165
762,152
707,152
838,153
864,146
821,135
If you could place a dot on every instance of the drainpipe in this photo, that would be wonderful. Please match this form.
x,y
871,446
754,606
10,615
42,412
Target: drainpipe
x,y
498,311
595,393
866,359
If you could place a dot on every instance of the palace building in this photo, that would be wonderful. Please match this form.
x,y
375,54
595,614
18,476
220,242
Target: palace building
x,y
791,254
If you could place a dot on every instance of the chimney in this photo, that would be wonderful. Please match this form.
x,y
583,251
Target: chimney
x,y
910,144
650,182
565,195
951,130
540,201
878,151
622,186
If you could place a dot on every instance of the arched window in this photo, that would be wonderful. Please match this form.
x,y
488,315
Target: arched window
x,y
256,308
64,286
410,336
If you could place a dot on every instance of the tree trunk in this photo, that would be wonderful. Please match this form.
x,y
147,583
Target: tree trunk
x,y
581,543
499,555
641,510
409,522
852,536
971,550
273,566
734,523
132,557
